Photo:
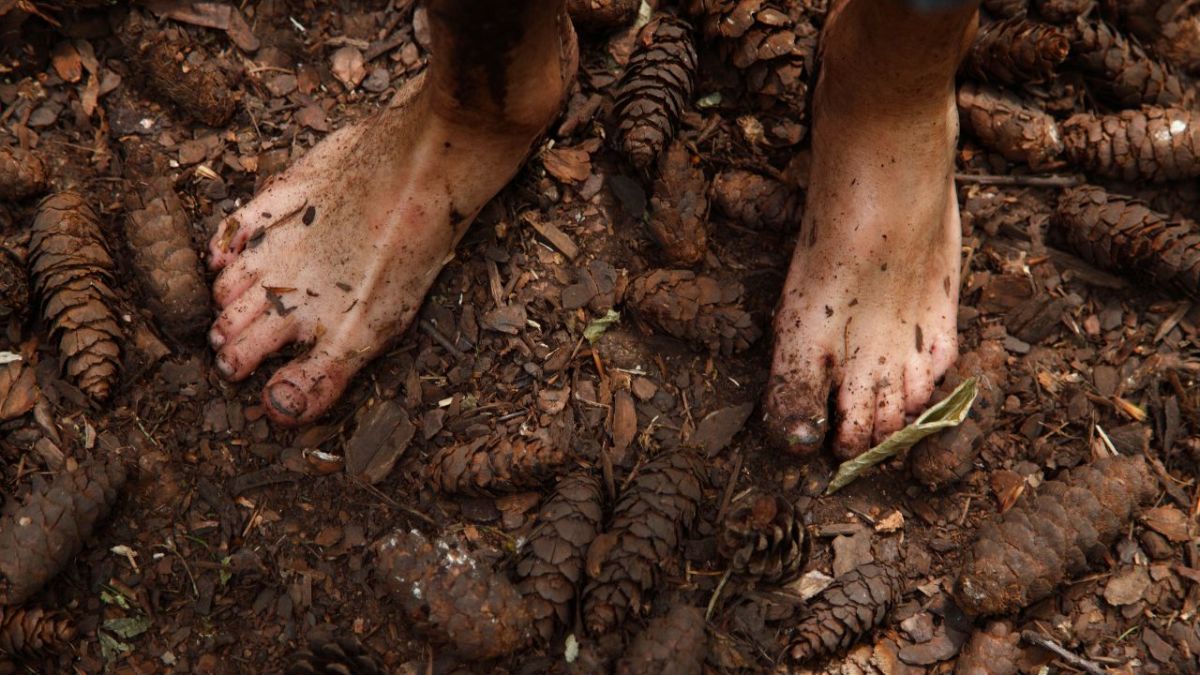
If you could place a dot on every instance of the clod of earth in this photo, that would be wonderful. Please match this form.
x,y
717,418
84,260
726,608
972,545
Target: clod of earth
x,y
655,90
1120,71
72,274
647,528
674,643
761,536
1044,540
489,465
1124,235
602,14
1009,125
551,566
1017,51
757,201
448,593
1151,144
29,632
342,655
679,208
702,310
994,650
22,174
856,603
1170,27
39,538
14,285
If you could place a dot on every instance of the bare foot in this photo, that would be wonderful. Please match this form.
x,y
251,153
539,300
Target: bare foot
x,y
869,309
340,250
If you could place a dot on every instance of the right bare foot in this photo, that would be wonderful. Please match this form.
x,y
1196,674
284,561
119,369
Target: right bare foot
x,y
340,249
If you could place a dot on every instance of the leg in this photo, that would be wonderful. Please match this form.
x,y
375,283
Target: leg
x,y
340,250
869,307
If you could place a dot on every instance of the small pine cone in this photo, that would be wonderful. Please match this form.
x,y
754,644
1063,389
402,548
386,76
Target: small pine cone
x,y
72,274
1025,554
340,656
647,527
994,650
655,90
481,467
452,596
1123,235
679,208
22,174
38,539
949,455
1064,11
675,643
1151,144
18,389
1017,51
552,562
1006,9
851,607
1170,27
602,14
14,286
158,232
1010,126
761,537
1121,71
30,632
696,309
756,201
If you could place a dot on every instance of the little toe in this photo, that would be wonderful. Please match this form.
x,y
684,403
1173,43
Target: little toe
x,y
889,409
304,389
241,357
943,353
856,415
796,406
918,384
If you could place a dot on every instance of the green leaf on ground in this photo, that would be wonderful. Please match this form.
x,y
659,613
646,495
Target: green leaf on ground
x,y
128,627
597,328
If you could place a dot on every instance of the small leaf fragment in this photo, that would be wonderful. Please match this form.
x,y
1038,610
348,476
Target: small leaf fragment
x,y
598,327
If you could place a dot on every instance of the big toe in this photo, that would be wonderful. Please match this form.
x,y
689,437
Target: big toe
x,y
306,388
796,407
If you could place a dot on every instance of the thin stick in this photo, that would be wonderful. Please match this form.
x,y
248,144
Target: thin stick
x,y
1021,181
1059,651
712,602
440,338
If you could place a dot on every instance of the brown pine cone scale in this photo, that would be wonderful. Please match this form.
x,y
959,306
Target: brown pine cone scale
x,y
702,310
675,643
757,201
655,89
1121,71
29,632
339,656
485,467
761,536
856,603
22,174
1010,126
1153,144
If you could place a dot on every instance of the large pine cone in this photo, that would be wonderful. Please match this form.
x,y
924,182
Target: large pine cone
x,y
673,644
757,201
1121,71
856,603
38,539
1017,51
760,536
22,174
552,563
29,632
647,527
485,466
1003,122
679,208
340,656
72,275
1154,144
1170,27
655,90
702,310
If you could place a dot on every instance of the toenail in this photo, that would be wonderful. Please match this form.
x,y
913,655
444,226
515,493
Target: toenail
x,y
805,436
216,339
287,399
224,366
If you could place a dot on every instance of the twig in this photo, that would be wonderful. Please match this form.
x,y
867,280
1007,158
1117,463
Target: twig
x,y
440,338
391,502
712,602
729,488
1021,181
1058,650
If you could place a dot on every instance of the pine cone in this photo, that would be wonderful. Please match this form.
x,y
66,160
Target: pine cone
x,y
949,455
30,632
1121,71
679,208
40,538
552,562
1124,235
484,467
18,389
341,656
757,201
697,309
14,286
655,90
1017,51
22,174
602,14
1025,554
773,43
72,275
1170,27
994,650
452,596
1010,126
158,232
1064,11
852,606
1006,9
760,536
675,644
647,526
1154,144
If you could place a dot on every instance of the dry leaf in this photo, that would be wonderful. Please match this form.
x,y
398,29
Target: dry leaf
x,y
18,389
348,66
1168,521
569,165
67,63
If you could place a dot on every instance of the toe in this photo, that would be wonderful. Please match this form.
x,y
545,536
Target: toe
x,y
230,239
889,408
233,282
271,207
856,414
305,388
262,338
237,317
944,352
796,405
918,384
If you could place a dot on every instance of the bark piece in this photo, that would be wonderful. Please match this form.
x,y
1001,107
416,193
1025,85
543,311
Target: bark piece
x,y
344,654
159,234
947,456
22,174
655,89
703,310
675,643
381,437
1124,235
40,537
1064,11
1024,555
679,208
551,567
14,286
994,650
647,526
484,467
856,603
1017,51
72,274
452,596
1121,71
757,201
1010,126
762,537
30,632
602,14
1153,144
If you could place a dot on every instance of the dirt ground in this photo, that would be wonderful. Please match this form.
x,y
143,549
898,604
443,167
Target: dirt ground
x,y
235,540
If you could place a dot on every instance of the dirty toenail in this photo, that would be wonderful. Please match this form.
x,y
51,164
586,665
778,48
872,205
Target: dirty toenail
x,y
287,399
805,436
216,339
224,366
